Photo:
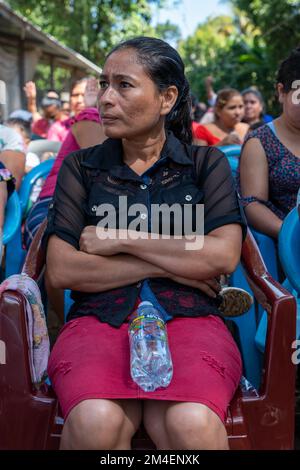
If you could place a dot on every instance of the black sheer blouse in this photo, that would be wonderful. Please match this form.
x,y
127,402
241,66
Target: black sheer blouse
x,y
183,175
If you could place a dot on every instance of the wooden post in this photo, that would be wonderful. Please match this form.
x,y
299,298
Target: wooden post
x,y
52,68
21,61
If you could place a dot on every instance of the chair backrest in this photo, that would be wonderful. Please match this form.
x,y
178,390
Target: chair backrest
x,y
231,150
232,153
40,171
41,146
289,248
13,217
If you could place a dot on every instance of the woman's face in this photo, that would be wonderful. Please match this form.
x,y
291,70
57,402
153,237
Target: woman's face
x,y
253,107
76,98
291,104
233,111
130,105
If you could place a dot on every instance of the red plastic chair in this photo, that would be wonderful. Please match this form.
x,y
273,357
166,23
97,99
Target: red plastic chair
x,y
29,418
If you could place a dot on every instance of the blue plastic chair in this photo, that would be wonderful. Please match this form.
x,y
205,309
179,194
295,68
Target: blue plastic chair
x,y
232,153
289,255
12,221
40,171
268,249
13,217
246,329
246,324
15,254
289,248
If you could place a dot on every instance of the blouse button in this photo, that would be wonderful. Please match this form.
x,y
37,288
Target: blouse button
x,y
94,208
143,186
143,216
139,284
188,197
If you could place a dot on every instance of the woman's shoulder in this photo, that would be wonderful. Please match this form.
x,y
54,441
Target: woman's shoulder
x,y
261,133
209,127
205,154
83,155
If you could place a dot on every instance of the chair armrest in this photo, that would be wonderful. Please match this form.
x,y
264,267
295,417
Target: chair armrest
x,y
36,257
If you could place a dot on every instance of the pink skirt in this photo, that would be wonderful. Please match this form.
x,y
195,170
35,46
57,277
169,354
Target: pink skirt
x,y
90,360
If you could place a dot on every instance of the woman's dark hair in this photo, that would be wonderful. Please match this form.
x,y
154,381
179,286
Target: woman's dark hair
x,y
289,70
165,67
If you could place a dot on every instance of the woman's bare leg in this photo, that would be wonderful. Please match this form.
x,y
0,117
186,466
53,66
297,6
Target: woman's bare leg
x,y
182,425
101,424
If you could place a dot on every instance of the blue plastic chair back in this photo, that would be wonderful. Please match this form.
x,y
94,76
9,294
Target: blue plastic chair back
x,y
232,153
231,150
246,328
289,248
15,254
13,217
268,249
40,171
289,255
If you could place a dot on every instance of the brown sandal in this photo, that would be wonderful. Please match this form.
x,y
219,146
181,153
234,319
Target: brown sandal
x,y
234,301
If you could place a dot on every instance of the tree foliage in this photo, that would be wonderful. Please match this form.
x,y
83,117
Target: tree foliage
x,y
244,50
90,27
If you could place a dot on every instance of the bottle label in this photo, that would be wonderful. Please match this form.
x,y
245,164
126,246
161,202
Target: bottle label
x,y
136,323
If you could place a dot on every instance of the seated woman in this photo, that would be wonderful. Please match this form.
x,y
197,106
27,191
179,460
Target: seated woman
x,y
85,131
144,104
270,160
227,127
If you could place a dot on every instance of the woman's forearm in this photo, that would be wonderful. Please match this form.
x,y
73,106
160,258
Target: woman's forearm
x,y
261,218
68,268
219,254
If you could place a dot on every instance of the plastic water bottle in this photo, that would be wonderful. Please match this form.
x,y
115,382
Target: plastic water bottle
x,y
150,359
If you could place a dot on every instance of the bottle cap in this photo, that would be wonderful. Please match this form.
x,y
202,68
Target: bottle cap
x,y
145,303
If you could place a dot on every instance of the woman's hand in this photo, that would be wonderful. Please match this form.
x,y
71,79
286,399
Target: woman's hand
x,y
100,241
231,139
210,287
91,93
30,90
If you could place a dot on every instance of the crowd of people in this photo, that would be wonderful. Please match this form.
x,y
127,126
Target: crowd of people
x,y
131,133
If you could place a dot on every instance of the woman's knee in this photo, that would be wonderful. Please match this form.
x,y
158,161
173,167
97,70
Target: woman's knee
x,y
195,426
94,424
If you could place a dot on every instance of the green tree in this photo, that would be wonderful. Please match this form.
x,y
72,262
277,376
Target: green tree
x,y
275,32
276,22
219,48
168,32
91,27
243,50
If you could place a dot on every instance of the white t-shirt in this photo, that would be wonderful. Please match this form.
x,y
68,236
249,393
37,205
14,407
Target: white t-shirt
x,y
10,140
